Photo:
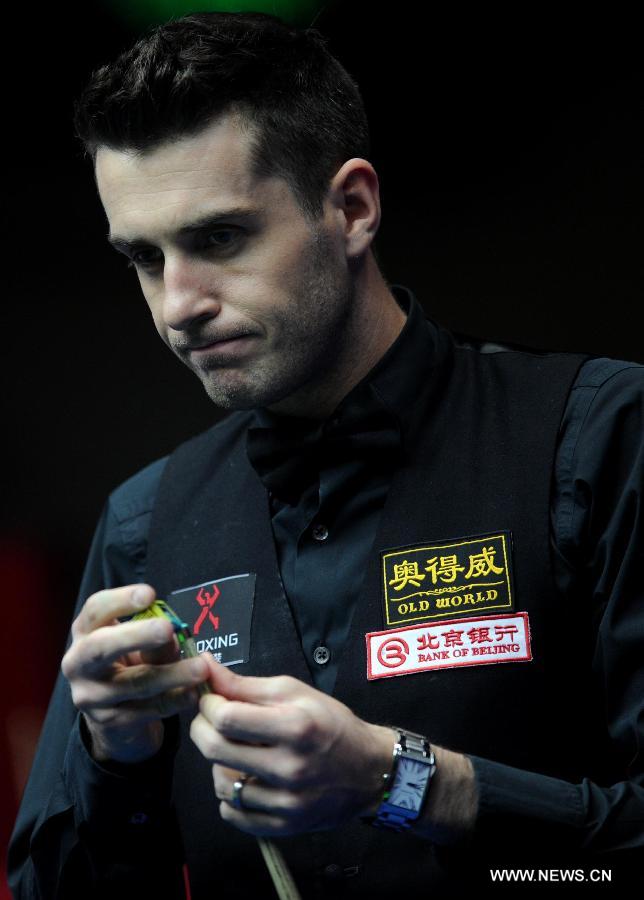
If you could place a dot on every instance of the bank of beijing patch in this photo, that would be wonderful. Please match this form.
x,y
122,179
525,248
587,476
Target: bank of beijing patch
x,y
448,645
464,576
219,615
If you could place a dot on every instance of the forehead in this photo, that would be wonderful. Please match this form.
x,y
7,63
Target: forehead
x,y
175,182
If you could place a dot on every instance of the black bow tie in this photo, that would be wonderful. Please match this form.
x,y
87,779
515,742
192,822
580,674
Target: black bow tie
x,y
289,453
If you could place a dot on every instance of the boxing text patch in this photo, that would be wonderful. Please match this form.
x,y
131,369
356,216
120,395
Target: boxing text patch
x,y
464,576
448,644
219,615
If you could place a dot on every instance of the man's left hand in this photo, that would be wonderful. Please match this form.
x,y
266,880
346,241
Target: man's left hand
x,y
312,763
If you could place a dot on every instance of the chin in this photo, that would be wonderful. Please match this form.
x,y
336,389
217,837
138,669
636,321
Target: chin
x,y
231,400
254,388
239,396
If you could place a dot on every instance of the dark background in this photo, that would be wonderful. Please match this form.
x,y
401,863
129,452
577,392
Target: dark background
x,y
510,156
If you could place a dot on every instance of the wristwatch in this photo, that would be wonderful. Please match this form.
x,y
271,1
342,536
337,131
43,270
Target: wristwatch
x,y
414,765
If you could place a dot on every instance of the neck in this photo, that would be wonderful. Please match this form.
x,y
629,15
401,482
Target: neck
x,y
376,323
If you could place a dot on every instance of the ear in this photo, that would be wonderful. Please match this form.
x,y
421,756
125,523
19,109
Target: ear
x,y
354,194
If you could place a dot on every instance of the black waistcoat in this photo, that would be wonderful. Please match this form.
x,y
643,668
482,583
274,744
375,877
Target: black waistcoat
x,y
482,462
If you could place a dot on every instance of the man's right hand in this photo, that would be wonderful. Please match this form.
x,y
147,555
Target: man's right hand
x,y
125,677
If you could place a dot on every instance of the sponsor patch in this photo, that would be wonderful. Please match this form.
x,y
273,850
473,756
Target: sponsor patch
x,y
459,577
448,644
219,615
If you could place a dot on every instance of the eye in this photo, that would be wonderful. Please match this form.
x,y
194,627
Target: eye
x,y
221,237
146,258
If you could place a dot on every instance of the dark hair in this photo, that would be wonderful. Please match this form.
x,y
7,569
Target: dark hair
x,y
305,109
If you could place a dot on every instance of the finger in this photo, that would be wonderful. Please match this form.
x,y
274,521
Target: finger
x,y
145,681
139,712
258,823
273,765
138,683
166,653
270,764
105,606
249,722
257,796
93,654
251,689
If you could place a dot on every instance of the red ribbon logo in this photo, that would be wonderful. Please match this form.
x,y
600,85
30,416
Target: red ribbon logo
x,y
207,601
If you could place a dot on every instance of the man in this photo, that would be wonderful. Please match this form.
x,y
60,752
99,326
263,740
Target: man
x,y
411,561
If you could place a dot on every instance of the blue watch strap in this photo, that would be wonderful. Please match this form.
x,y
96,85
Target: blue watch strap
x,y
416,749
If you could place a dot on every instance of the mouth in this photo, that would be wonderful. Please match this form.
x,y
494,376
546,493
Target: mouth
x,y
224,346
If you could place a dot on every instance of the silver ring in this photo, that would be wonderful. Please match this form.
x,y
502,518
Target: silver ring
x,y
236,797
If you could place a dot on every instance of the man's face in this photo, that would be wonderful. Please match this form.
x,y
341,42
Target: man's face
x,y
249,294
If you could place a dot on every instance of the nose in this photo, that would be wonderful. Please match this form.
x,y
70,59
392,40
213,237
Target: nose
x,y
190,292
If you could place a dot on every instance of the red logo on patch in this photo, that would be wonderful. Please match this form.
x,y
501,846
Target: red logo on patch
x,y
207,601
393,653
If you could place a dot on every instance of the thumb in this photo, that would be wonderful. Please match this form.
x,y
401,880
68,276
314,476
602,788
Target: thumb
x,y
220,678
264,691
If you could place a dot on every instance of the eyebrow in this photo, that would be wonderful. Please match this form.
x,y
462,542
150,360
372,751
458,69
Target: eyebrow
x,y
209,220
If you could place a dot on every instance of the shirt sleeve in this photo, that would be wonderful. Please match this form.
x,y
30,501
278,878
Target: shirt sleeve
x,y
597,537
83,829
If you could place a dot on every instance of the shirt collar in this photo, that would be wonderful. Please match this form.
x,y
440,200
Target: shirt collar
x,y
372,425
392,384
397,379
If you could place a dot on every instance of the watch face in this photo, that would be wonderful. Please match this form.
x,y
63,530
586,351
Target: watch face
x,y
409,784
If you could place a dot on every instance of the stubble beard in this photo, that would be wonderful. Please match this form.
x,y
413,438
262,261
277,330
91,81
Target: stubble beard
x,y
315,332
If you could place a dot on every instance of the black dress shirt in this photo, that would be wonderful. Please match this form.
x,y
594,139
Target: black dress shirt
x,y
328,481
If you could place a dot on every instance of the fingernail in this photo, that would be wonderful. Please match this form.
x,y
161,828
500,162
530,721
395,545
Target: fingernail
x,y
141,596
198,667
160,629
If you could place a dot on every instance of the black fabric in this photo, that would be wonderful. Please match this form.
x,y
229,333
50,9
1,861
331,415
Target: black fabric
x,y
289,455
